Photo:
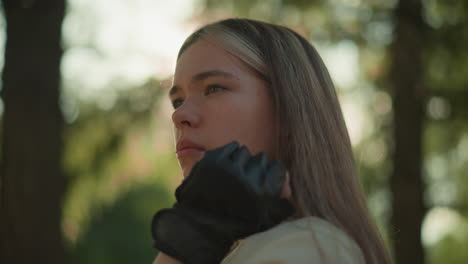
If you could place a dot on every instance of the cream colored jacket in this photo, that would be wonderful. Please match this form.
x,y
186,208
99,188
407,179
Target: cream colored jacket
x,y
304,240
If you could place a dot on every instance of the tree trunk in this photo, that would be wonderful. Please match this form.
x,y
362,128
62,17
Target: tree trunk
x,y
406,79
31,177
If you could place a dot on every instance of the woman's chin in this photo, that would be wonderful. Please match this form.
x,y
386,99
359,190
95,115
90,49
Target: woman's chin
x,y
187,164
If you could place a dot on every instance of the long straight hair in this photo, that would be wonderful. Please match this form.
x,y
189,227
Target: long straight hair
x,y
312,141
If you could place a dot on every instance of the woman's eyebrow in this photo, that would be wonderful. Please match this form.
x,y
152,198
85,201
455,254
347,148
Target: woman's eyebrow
x,y
203,75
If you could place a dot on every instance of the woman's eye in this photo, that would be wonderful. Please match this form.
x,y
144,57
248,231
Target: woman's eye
x,y
177,102
213,88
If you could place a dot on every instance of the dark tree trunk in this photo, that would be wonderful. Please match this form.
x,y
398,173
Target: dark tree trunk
x,y
32,181
406,79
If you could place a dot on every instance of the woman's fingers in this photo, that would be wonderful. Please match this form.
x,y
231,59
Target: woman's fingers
x,y
223,152
240,156
258,163
262,160
275,178
255,172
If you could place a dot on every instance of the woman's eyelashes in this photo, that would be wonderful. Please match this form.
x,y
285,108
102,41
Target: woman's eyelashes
x,y
177,102
213,88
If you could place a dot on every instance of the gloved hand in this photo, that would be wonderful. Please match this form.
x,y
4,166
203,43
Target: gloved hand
x,y
227,196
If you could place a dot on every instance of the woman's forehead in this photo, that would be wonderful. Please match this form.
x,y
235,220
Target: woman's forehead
x,y
204,56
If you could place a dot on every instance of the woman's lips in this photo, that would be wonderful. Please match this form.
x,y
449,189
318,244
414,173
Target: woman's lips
x,y
188,151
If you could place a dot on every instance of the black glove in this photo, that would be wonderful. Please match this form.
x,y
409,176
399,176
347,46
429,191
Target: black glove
x,y
227,196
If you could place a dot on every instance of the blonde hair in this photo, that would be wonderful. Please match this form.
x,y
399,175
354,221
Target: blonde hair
x,y
313,141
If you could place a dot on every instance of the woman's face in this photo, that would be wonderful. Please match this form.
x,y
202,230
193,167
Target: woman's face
x,y
218,99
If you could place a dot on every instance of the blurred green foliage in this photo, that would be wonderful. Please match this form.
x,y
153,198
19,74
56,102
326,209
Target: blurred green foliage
x,y
448,249
121,232
119,176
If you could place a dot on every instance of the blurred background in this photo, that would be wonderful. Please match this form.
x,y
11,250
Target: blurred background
x,y
87,153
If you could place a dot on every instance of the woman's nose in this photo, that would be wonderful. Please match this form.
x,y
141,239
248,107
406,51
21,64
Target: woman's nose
x,y
187,115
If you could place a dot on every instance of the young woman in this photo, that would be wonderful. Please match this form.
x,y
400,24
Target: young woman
x,y
267,160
